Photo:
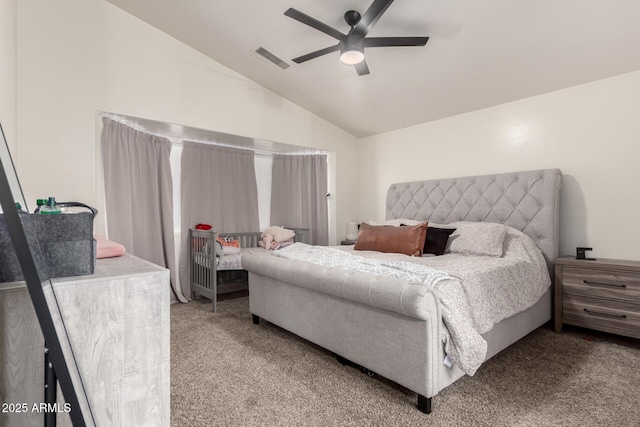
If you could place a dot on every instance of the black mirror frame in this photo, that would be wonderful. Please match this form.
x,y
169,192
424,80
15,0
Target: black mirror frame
x,y
36,292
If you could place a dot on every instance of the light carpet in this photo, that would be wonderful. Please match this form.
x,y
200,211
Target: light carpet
x,y
227,371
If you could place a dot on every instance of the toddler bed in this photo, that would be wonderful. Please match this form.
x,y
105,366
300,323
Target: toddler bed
x,y
207,267
415,327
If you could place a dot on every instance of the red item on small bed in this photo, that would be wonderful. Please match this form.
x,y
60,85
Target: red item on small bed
x,y
108,249
203,227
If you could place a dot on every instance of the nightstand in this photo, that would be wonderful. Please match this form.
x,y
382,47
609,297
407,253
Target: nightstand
x,y
602,294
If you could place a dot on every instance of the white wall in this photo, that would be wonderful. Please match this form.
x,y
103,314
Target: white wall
x,y
76,57
591,132
8,65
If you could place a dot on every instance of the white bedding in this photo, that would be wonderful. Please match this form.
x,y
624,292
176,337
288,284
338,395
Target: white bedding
x,y
230,262
226,262
475,292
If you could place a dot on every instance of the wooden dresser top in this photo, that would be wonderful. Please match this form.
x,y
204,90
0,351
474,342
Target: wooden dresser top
x,y
618,264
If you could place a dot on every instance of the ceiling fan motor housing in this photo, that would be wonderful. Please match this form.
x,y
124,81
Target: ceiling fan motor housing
x,y
352,17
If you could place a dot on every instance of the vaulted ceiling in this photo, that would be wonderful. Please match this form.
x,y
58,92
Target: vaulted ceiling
x,y
479,54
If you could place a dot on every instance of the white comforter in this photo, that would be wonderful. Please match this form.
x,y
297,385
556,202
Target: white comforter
x,y
475,292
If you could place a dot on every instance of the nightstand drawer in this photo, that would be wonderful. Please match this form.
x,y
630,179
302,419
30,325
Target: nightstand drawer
x,y
601,283
605,315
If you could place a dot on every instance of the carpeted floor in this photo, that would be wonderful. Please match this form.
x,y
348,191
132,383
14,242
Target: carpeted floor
x,y
227,371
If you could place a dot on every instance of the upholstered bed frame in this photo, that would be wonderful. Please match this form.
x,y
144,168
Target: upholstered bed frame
x,y
365,331
527,201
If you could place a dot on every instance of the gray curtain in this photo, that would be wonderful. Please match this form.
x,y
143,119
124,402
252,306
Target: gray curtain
x,y
139,194
299,194
218,187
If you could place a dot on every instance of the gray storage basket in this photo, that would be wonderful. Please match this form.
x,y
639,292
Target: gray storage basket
x,y
65,240
10,270
67,243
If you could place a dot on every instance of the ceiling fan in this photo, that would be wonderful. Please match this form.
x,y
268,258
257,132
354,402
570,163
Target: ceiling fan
x,y
352,44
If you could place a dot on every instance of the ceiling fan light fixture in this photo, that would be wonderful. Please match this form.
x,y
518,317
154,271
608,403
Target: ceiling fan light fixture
x,y
351,50
352,56
352,44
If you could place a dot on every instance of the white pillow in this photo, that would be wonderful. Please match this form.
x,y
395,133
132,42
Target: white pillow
x,y
395,222
477,238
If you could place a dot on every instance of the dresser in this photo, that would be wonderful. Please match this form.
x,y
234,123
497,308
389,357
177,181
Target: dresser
x,y
602,294
118,327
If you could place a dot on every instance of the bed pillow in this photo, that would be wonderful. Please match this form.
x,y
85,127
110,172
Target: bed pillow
x,y
436,241
402,240
477,238
395,222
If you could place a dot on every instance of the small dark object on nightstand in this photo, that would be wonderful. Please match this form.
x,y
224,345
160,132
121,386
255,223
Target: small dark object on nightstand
x,y
581,252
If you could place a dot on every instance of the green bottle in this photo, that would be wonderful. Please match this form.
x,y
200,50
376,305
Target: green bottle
x,y
50,207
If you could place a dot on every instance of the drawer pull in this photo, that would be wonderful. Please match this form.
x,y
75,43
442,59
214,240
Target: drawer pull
x,y
597,313
609,285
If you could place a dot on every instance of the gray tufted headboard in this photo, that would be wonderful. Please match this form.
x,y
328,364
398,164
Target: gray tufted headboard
x,y
527,201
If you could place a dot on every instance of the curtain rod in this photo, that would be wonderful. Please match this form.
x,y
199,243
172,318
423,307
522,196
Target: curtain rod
x,y
219,144
255,150
178,141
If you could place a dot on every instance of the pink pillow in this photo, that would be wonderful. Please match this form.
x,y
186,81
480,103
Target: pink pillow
x,y
107,249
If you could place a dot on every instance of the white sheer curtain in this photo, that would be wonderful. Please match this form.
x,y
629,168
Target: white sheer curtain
x,y
299,194
139,194
218,187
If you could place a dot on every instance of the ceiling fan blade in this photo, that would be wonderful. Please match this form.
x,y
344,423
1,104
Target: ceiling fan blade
x,y
362,68
371,16
395,41
315,54
314,23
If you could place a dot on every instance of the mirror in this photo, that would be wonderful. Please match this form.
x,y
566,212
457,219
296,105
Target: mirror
x,y
12,176
20,227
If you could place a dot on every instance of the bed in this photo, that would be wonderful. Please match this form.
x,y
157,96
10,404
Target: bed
x,y
227,274
392,326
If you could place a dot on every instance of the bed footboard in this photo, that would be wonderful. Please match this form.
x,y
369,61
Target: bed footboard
x,y
355,332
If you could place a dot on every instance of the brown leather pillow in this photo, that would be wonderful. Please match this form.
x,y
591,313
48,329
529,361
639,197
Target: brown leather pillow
x,y
401,240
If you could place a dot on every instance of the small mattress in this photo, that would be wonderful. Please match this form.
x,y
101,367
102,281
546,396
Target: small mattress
x,y
228,261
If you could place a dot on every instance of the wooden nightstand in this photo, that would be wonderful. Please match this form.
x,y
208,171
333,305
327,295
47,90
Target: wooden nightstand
x,y
602,294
